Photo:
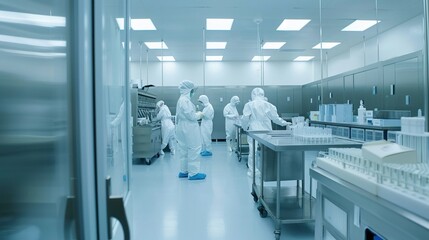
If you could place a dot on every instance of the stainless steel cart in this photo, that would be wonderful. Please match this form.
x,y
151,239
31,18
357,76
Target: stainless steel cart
x,y
242,144
282,158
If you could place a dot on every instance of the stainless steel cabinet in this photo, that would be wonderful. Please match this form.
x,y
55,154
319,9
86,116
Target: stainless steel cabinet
x,y
409,87
349,96
390,99
146,142
403,85
366,88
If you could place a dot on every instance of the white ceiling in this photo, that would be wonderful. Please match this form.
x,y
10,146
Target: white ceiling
x,y
180,24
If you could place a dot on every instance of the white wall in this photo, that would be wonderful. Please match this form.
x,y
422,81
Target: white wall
x,y
400,40
224,73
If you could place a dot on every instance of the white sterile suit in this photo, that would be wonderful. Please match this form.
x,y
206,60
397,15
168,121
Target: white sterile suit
x,y
231,116
206,126
188,134
257,115
167,127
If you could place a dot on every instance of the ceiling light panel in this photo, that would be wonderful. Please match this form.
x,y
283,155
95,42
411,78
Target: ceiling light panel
x,y
166,58
156,45
219,23
303,58
360,25
293,24
144,24
215,45
214,58
260,58
326,45
273,45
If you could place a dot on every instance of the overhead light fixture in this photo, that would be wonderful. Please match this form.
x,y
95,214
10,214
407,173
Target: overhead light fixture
x,y
326,45
273,45
303,58
219,23
214,58
120,22
156,45
215,45
32,19
32,41
143,24
360,25
293,24
260,58
166,58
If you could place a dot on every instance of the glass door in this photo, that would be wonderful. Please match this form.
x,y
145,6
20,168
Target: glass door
x,y
112,114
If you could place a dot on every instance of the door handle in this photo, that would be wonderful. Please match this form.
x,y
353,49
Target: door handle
x,y
116,209
69,216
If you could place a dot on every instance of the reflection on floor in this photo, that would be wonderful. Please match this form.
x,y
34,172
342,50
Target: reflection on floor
x,y
220,207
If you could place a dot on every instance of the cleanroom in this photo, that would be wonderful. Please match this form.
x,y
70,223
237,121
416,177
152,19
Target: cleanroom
x,y
202,119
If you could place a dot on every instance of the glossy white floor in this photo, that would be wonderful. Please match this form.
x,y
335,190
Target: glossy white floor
x,y
220,207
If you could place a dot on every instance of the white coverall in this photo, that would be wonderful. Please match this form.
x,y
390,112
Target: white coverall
x,y
257,115
187,131
167,127
231,116
206,124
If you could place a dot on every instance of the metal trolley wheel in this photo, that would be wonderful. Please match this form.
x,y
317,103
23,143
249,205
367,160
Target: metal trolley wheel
x,y
262,212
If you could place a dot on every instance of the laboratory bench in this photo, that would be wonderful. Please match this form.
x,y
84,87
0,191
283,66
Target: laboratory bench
x,y
355,131
282,159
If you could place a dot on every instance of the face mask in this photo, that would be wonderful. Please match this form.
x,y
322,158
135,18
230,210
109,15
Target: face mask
x,y
192,93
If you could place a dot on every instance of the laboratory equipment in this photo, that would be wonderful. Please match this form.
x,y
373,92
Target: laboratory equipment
x,y
146,133
361,113
312,134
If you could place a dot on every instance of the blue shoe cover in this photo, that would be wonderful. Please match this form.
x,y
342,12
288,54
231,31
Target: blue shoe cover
x,y
183,175
198,176
206,153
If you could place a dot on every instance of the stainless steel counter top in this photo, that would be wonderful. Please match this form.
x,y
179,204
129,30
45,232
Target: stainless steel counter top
x,y
282,140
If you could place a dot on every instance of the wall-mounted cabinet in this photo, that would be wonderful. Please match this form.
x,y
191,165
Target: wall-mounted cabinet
x,y
349,96
395,84
403,83
367,86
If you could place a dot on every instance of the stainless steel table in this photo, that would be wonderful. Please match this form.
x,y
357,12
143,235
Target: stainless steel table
x,y
282,158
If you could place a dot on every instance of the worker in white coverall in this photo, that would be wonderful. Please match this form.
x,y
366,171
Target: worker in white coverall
x,y
206,127
231,116
257,115
188,134
167,127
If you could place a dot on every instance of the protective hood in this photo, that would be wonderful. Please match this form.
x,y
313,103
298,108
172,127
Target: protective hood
x,y
186,87
204,99
257,93
235,100
159,104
